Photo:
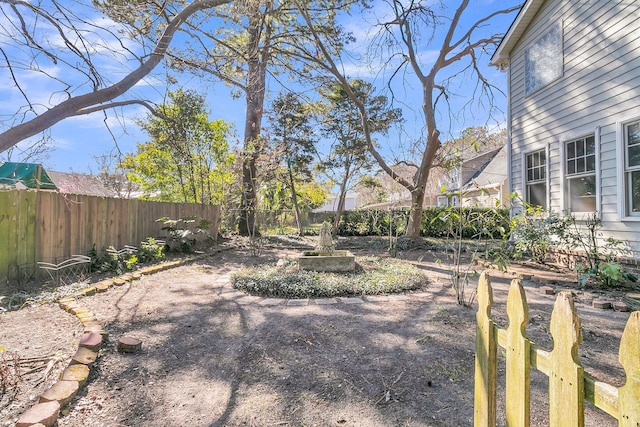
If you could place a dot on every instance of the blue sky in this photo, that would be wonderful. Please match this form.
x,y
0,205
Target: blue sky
x,y
76,141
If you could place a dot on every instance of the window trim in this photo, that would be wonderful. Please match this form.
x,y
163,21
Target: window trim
x,y
525,179
621,163
565,198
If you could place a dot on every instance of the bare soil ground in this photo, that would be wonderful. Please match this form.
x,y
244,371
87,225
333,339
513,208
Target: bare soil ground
x,y
213,356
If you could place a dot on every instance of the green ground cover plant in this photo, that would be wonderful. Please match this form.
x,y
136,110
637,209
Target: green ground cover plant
x,y
373,276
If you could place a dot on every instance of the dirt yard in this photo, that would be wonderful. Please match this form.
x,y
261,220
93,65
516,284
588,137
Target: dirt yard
x,y
212,356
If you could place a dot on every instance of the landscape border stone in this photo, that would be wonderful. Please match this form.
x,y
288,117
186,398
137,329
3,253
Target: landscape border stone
x,y
47,410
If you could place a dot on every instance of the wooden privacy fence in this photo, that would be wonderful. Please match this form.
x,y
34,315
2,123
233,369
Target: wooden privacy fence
x,y
569,385
48,226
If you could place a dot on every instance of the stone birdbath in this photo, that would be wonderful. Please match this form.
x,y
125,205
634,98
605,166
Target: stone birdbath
x,y
326,257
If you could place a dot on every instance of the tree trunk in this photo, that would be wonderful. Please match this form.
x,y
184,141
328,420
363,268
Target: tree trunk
x,y
294,199
415,217
341,202
257,70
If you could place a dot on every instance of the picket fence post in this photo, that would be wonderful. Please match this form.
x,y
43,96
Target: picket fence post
x,y
518,359
566,379
485,380
629,394
569,385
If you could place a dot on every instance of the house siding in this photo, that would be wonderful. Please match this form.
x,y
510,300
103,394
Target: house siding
x,y
600,86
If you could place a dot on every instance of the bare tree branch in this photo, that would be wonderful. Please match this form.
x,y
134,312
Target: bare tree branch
x,y
74,104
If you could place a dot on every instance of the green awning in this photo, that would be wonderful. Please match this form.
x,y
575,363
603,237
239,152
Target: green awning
x,y
30,175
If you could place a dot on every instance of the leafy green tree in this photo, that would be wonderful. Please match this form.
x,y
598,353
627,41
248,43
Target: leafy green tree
x,y
349,157
244,43
187,158
291,145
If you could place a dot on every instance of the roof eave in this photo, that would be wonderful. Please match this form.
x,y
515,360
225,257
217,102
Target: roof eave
x,y
500,57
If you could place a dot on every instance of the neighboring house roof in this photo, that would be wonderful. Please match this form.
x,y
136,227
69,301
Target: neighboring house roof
x,y
27,175
75,183
529,10
492,171
483,171
32,175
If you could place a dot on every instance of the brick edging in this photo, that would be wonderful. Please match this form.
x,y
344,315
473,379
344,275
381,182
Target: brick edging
x,y
47,411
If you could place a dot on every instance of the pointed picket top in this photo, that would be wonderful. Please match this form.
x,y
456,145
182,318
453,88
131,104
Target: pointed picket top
x,y
485,378
565,325
629,394
566,379
517,308
485,294
518,358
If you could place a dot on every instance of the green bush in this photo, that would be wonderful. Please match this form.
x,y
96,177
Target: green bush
x,y
119,262
373,276
372,222
478,222
485,223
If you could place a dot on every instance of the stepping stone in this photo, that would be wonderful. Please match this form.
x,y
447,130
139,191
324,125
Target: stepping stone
x,y
297,302
84,356
326,301
353,300
377,298
91,341
547,290
62,392
270,302
119,282
248,299
602,304
621,306
43,413
633,300
129,345
75,373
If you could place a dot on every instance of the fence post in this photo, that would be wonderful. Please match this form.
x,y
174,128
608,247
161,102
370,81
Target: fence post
x,y
484,405
566,379
518,359
629,394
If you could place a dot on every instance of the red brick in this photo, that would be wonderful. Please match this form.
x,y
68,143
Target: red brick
x,y
44,413
84,356
61,392
91,340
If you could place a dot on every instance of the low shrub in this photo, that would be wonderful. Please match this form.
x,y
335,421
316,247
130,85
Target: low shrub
x,y
478,222
373,276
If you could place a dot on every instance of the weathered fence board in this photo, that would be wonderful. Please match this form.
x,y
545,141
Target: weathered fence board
x,y
486,357
518,358
569,385
48,226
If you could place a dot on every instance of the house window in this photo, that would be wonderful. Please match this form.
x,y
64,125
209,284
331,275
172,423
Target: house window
x,y
632,167
442,201
543,61
536,183
580,174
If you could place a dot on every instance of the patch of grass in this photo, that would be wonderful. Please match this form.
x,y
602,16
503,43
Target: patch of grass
x,y
373,276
